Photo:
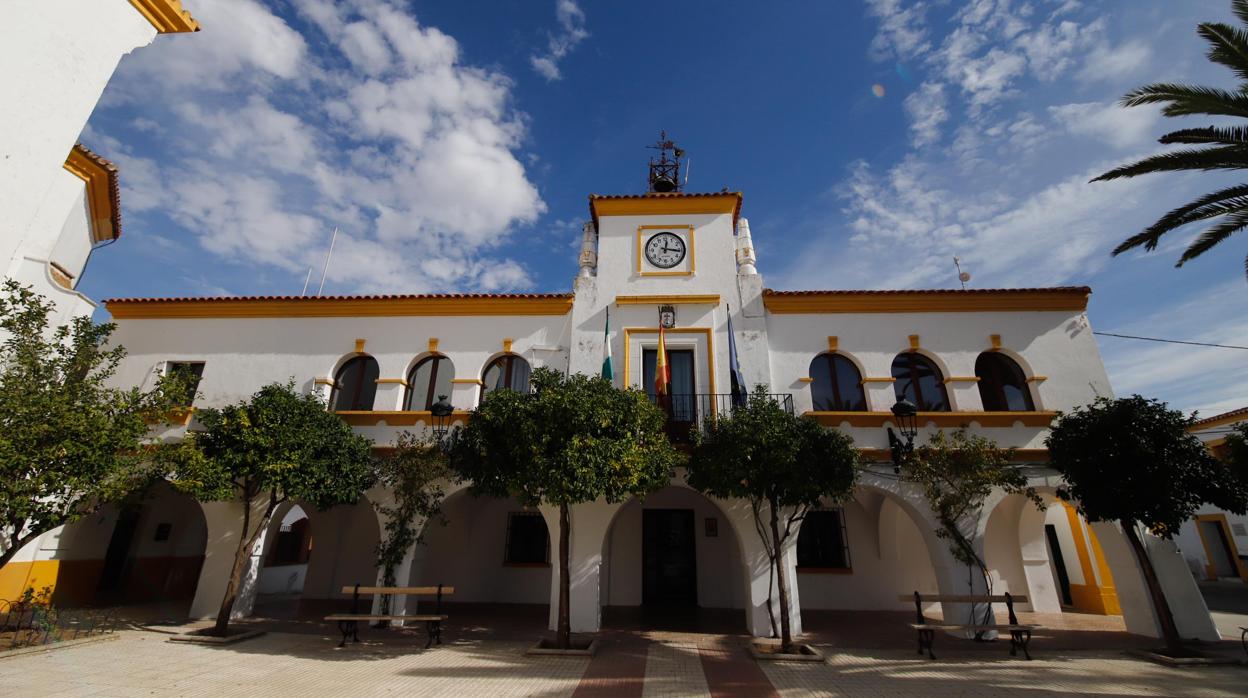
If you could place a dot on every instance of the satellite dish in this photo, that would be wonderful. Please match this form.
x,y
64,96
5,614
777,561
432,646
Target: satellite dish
x,y
964,276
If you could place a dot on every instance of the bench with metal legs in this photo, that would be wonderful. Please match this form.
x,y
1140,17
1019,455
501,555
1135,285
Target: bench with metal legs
x,y
348,623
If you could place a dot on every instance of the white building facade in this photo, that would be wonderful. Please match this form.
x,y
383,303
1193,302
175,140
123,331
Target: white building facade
x,y
1215,541
999,362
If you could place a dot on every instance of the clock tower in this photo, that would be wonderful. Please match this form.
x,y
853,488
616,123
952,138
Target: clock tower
x,y
665,248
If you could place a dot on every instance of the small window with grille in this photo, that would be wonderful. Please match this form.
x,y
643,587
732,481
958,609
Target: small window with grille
x,y
528,542
822,543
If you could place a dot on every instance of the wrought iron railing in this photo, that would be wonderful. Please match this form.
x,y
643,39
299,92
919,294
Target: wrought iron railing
x,y
687,413
27,623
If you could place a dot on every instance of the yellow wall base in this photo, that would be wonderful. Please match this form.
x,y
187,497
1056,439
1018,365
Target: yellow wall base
x,y
1093,599
17,577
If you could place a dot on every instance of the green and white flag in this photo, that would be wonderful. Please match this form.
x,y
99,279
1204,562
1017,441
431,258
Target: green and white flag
x,y
606,349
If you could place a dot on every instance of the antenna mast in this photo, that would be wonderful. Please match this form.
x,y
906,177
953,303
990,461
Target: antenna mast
x,y
325,270
963,276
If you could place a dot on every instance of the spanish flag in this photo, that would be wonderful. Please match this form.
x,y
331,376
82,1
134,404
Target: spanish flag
x,y
662,372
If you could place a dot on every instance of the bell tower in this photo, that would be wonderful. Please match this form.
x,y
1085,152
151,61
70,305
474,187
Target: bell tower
x,y
664,177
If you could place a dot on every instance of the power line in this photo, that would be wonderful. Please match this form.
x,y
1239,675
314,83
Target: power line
x,y
1170,341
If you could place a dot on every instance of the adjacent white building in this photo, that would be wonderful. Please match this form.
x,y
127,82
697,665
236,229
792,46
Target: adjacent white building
x,y
59,200
1215,542
999,362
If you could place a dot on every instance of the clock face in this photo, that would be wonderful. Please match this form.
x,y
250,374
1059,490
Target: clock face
x,y
665,250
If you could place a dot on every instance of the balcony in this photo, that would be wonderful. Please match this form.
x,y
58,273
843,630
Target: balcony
x,y
686,412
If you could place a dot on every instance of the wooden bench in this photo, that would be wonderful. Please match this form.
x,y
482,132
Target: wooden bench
x,y
1020,635
348,623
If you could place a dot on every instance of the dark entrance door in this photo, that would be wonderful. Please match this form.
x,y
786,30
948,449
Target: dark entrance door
x,y
669,558
118,551
1059,565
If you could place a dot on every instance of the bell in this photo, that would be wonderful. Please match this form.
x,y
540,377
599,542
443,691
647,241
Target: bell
x,y
662,184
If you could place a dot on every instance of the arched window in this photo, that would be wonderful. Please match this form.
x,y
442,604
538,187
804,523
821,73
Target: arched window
x,y
836,385
507,371
1002,385
355,385
430,378
920,382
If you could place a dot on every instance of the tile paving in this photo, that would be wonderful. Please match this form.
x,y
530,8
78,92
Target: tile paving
x,y
300,659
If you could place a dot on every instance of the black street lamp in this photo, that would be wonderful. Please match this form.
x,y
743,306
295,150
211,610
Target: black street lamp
x,y
907,418
441,411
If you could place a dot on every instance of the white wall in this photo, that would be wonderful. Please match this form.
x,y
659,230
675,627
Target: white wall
x,y
58,56
718,558
888,555
468,553
344,549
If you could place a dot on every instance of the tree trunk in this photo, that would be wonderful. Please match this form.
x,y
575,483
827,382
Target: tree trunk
x,y
564,631
1169,631
242,557
782,585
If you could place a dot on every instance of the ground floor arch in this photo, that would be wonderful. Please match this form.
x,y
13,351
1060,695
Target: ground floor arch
x,y
673,550
887,551
148,549
492,550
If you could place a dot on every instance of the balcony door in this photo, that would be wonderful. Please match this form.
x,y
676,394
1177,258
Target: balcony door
x,y
682,406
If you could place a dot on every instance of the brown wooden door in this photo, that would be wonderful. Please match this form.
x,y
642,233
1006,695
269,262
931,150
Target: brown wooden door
x,y
669,558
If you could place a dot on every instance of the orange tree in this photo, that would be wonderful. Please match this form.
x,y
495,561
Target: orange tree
x,y
572,440
783,465
1132,460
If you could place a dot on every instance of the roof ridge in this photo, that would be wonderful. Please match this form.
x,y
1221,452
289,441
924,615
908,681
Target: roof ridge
x,y
847,291
373,296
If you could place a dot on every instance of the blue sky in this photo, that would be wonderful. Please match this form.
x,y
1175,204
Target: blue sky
x,y
454,144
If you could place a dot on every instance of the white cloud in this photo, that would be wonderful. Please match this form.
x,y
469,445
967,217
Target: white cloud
x,y
1109,123
902,32
571,32
382,132
1208,379
926,109
1114,63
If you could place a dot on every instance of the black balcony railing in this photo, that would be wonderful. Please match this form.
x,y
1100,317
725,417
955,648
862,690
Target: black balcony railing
x,y
686,413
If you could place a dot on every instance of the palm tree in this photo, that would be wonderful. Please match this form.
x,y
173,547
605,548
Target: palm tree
x,y
1226,146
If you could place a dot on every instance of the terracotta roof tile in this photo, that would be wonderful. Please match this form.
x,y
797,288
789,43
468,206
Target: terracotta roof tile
x,y
932,291
376,297
114,184
1223,418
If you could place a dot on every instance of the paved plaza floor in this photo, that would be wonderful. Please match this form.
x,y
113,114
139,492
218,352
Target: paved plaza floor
x,y
303,660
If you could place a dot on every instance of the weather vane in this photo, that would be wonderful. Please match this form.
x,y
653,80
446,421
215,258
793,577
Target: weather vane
x,y
665,172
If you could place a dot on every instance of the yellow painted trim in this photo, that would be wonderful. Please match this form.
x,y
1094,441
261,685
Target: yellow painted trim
x,y
940,419
1021,455
394,418
507,342
433,345
166,15
1221,520
920,302
710,350
359,346
325,381
1109,594
879,380
124,309
1091,596
995,340
833,342
690,250
806,380
1037,379
693,299
474,381
398,381
914,341
99,194
659,204
961,379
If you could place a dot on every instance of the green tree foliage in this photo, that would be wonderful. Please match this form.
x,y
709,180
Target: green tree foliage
x,y
1237,451
68,441
1218,147
415,472
276,446
1132,460
783,465
572,440
957,472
